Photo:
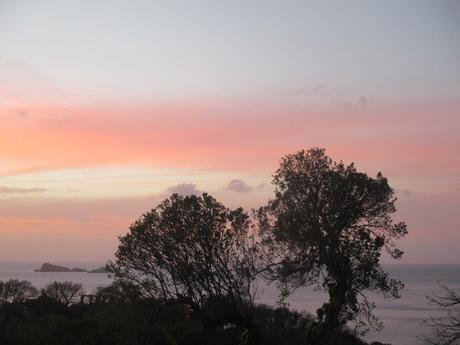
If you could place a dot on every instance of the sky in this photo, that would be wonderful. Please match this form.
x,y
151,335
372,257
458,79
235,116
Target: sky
x,y
108,107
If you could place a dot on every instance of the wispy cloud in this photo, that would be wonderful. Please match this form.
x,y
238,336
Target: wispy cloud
x,y
311,90
405,192
14,190
228,137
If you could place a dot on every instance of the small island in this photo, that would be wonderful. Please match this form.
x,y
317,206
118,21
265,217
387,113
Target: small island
x,y
47,267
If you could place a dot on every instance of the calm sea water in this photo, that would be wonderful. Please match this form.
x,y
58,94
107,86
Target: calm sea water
x,y
25,271
401,317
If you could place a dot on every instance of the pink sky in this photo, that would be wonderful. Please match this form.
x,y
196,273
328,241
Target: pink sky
x,y
80,174
104,110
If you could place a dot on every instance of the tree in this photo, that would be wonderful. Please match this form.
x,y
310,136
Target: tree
x,y
446,330
327,226
65,292
120,290
190,248
16,291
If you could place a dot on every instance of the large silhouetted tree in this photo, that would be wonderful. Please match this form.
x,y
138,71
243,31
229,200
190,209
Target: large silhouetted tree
x,y
328,224
190,248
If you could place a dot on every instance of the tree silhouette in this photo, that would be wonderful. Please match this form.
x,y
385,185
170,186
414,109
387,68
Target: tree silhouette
x,y
445,330
65,292
190,248
327,226
16,291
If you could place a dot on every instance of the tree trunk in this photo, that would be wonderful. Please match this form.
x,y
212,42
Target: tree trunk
x,y
332,317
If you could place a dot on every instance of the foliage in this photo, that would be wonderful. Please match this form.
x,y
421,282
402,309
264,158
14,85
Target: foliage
x,y
16,291
327,226
120,290
446,330
190,248
64,292
43,321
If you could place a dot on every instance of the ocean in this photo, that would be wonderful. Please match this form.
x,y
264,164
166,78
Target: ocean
x,y
401,317
25,271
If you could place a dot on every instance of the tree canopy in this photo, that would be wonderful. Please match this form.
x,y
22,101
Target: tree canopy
x,y
191,248
327,226
64,292
16,291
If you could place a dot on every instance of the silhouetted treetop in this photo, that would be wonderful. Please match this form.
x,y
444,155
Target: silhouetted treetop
x,y
16,291
65,292
192,248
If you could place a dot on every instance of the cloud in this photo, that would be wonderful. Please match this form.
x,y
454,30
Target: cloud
x,y
21,113
304,90
363,101
13,190
184,189
238,186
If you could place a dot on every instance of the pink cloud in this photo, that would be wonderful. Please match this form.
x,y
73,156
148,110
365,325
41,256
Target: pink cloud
x,y
184,189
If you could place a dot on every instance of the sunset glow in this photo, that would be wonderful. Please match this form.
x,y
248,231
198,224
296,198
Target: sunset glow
x,y
88,144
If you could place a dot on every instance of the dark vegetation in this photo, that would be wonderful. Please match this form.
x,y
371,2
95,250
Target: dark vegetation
x,y
127,320
327,226
186,271
444,330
